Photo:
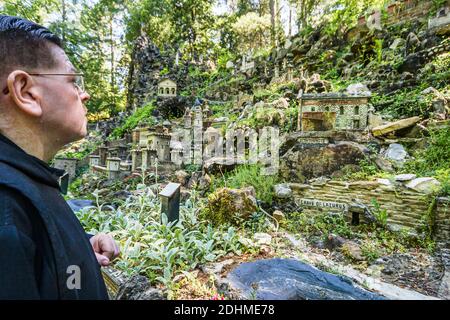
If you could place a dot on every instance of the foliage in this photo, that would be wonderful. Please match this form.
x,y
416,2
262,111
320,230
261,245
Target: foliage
x,y
375,241
379,213
318,225
142,115
367,171
81,149
405,103
248,175
154,247
434,158
252,31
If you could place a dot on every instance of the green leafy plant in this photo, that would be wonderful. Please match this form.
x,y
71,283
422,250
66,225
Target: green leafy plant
x,y
380,214
248,175
142,115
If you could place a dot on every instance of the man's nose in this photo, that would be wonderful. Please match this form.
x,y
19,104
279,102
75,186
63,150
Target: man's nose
x,y
84,96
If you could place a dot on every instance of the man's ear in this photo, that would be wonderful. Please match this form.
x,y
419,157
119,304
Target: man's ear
x,y
24,93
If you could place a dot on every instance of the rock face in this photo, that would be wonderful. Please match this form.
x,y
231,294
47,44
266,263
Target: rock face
x,y
303,162
288,279
394,126
231,205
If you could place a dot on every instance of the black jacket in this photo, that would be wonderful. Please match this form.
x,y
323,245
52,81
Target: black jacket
x,y
43,247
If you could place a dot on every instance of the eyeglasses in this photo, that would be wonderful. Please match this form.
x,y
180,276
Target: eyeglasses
x,y
79,79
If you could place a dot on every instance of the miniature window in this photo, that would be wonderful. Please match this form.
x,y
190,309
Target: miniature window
x,y
355,124
341,110
173,90
327,109
167,91
356,110
441,13
313,109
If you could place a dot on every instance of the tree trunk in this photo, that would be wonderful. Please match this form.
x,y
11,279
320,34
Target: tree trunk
x,y
272,4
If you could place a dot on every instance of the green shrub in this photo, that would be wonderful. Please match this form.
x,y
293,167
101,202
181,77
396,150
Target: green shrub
x,y
433,158
142,115
248,175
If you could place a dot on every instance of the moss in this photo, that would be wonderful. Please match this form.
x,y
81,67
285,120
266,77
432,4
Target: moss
x,y
228,206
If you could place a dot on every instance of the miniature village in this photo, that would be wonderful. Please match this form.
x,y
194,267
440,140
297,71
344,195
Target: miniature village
x,y
180,177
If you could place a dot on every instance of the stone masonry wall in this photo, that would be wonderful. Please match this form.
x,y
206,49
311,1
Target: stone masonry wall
x,y
442,222
405,207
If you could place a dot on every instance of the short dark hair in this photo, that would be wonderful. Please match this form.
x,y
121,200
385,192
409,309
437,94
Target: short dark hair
x,y
25,44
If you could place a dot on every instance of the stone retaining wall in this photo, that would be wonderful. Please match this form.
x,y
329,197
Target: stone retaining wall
x,y
405,207
442,221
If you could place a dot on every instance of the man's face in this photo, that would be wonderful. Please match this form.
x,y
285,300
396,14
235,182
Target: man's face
x,y
64,114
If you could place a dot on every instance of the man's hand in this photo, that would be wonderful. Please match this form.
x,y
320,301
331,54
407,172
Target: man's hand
x,y
105,248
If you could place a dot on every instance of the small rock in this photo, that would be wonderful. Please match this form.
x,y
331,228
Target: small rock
x,y
426,185
384,164
282,191
399,42
278,215
221,119
358,89
405,177
353,250
262,238
396,152
334,242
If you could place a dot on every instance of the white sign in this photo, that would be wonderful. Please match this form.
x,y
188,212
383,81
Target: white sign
x,y
324,204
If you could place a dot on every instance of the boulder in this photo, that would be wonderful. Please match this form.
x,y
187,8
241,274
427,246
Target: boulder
x,y
231,205
289,279
181,177
425,185
282,191
305,161
396,152
394,126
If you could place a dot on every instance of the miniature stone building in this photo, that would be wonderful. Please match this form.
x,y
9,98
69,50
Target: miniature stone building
x,y
442,18
68,165
330,111
167,88
159,142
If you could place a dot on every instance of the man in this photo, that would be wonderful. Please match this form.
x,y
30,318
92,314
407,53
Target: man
x,y
44,251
